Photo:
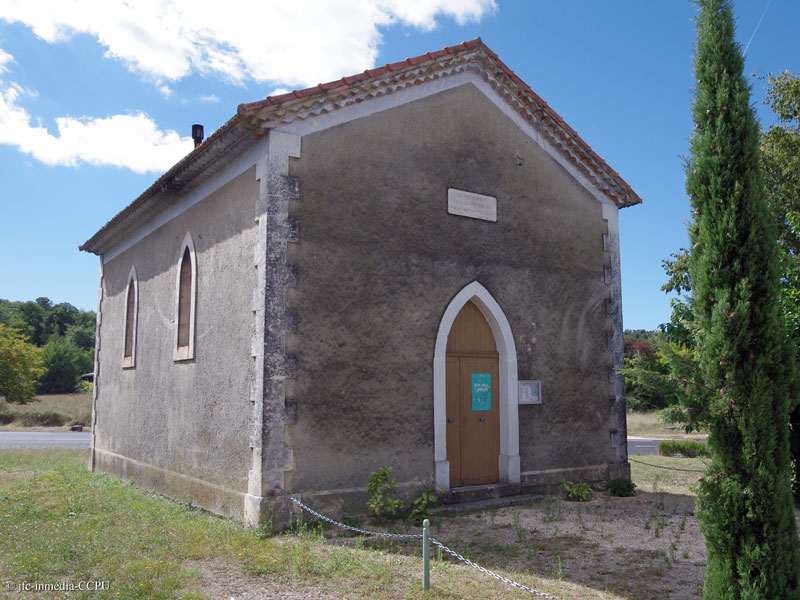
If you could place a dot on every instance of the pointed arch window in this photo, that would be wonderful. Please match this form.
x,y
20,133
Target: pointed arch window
x,y
131,311
185,301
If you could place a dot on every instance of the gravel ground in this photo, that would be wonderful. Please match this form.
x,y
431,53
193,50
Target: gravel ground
x,y
643,547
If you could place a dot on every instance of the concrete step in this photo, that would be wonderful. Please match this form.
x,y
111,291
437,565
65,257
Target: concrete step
x,y
472,493
485,504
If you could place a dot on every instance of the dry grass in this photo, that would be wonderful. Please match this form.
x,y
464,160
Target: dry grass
x,y
76,408
62,523
657,472
645,424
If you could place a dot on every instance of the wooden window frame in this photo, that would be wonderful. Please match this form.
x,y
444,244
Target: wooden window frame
x,y
131,325
186,352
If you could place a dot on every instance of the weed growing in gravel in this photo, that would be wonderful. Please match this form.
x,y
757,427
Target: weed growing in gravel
x,y
519,530
553,511
578,491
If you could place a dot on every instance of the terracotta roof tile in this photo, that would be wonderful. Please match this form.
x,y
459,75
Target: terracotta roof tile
x,y
368,74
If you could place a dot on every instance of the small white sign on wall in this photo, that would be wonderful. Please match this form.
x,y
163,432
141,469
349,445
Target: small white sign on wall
x,y
530,392
469,204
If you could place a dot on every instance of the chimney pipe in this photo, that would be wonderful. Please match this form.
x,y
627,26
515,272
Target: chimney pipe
x,y
197,134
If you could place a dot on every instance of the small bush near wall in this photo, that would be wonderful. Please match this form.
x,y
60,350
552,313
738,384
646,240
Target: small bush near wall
x,y
576,492
621,487
687,448
383,497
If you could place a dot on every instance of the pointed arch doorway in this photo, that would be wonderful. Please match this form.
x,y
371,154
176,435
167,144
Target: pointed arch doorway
x,y
473,414
500,391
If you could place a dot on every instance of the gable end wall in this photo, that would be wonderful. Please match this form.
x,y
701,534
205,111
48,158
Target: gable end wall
x,y
379,259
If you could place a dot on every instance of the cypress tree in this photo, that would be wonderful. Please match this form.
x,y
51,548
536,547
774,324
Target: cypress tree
x,y
745,506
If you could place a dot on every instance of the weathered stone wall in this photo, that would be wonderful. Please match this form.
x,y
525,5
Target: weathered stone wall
x,y
378,260
182,428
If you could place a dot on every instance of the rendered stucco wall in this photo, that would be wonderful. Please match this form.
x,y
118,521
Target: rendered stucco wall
x,y
378,260
183,428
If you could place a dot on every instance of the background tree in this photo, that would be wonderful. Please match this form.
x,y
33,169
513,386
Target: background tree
x,y
66,333
28,318
746,363
81,336
780,154
63,367
641,352
20,366
780,159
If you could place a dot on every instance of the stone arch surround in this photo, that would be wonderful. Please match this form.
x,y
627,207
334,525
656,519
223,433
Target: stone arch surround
x,y
509,464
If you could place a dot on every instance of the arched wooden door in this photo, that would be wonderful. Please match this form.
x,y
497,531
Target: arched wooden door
x,y
473,414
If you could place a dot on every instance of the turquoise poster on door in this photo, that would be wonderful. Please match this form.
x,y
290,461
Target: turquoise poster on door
x,y
481,391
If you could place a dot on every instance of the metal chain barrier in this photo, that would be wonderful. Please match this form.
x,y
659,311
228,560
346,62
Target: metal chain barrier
x,y
432,540
402,536
467,561
663,467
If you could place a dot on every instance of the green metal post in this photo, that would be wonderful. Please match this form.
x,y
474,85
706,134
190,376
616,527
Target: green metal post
x,y
426,558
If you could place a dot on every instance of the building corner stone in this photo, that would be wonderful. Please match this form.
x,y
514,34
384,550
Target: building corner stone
x,y
271,456
96,376
619,433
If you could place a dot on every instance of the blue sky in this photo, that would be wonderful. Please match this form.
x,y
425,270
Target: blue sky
x,y
97,98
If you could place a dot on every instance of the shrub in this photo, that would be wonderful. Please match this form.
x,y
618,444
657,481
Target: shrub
x,y
381,488
419,508
576,492
622,487
687,448
6,416
48,418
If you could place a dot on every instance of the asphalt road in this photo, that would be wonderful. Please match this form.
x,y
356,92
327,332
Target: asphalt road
x,y
643,446
75,439
44,439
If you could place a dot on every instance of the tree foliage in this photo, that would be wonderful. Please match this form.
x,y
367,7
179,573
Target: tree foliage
x,y
20,366
641,353
746,364
65,333
63,367
780,153
780,160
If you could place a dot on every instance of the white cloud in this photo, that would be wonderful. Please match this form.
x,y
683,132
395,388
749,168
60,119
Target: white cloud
x,y
166,91
5,57
209,99
296,43
130,141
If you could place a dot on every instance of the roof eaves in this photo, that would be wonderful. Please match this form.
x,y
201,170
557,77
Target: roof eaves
x,y
175,179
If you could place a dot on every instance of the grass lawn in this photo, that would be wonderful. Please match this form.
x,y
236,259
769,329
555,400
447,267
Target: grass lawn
x,y
645,424
647,473
61,523
70,409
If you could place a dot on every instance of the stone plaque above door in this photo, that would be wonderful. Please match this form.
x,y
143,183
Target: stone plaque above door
x,y
469,204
